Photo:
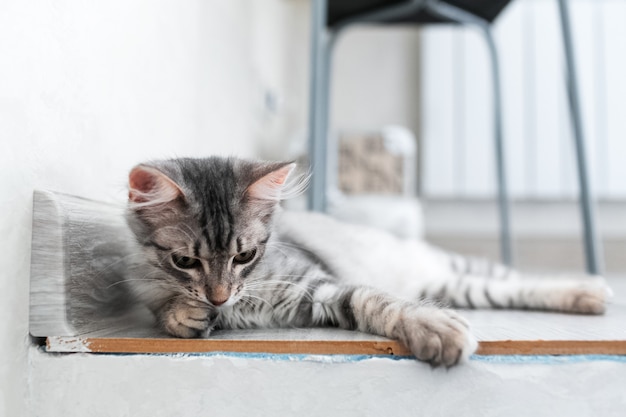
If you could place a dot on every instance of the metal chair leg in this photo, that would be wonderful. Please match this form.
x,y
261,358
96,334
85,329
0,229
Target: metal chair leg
x,y
506,246
458,15
592,245
318,107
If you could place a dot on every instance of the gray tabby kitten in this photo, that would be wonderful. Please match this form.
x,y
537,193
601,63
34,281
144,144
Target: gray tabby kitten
x,y
221,254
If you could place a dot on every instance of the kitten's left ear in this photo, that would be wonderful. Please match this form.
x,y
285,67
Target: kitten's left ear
x,y
271,185
148,186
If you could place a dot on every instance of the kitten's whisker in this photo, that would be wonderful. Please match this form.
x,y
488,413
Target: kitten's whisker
x,y
143,278
131,279
285,244
244,299
290,290
261,299
268,284
290,246
278,248
160,282
196,298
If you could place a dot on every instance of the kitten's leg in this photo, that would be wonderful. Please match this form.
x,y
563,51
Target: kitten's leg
x,y
477,283
438,336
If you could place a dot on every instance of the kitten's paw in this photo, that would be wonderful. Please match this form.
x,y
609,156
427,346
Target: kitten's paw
x,y
587,298
186,318
436,336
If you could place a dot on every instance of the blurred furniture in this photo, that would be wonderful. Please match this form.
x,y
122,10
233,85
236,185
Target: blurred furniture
x,y
331,17
376,173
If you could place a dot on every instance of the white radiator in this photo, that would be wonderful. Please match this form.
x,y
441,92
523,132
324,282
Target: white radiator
x,y
457,134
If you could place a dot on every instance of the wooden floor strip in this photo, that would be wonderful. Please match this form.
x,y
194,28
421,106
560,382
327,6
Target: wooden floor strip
x,y
322,347
553,347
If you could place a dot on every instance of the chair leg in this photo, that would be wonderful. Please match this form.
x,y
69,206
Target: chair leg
x,y
506,246
318,107
458,15
592,245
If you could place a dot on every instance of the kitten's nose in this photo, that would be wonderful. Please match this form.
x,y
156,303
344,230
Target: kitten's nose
x,y
219,294
218,303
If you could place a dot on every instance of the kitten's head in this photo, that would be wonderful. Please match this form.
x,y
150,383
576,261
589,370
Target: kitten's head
x,y
205,222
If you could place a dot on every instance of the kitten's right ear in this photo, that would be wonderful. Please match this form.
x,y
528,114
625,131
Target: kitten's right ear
x,y
148,186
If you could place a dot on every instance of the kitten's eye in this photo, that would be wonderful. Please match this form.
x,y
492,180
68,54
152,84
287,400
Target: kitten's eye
x,y
244,257
185,262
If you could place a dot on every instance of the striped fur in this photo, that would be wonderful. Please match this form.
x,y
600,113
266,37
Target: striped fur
x,y
221,255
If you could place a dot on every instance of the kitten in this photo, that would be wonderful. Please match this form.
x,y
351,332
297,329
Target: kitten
x,y
219,253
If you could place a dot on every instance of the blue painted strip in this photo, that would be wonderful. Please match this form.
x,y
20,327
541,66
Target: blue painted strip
x,y
548,359
292,357
497,359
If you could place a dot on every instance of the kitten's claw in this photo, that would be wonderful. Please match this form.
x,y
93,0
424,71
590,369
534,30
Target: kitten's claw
x,y
185,318
436,336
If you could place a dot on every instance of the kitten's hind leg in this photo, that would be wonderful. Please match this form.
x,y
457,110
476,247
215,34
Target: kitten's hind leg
x,y
476,283
568,295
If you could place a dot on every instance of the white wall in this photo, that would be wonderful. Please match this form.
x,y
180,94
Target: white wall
x,y
281,55
376,78
90,88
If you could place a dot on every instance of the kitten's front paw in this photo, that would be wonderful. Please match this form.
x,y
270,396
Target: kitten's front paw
x,y
436,336
182,317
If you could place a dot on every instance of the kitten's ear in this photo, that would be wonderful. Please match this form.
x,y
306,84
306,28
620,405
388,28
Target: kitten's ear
x,y
271,185
148,186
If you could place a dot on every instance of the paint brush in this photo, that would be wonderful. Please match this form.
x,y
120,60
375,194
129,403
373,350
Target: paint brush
x,y
81,257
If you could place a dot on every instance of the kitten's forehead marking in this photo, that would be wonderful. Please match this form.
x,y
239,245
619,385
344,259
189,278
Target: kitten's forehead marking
x,y
196,248
212,184
217,227
201,248
205,267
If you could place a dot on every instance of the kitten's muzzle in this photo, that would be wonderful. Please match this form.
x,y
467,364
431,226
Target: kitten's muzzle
x,y
219,295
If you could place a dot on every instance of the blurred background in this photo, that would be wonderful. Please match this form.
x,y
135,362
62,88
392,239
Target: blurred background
x,y
88,89
91,89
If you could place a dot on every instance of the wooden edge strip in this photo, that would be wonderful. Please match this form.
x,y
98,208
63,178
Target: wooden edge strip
x,y
146,345
552,347
322,347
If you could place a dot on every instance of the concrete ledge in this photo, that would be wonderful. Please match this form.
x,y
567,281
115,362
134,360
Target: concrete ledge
x,y
184,385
